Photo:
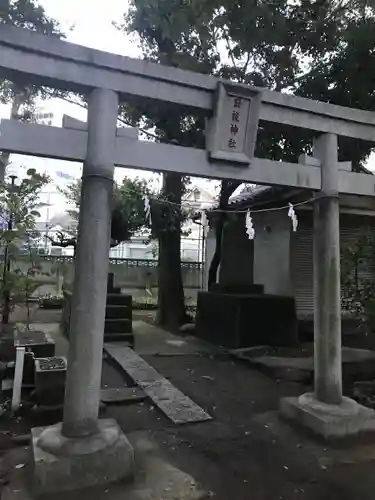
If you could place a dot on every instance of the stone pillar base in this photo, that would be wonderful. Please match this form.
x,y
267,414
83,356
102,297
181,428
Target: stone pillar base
x,y
330,421
63,464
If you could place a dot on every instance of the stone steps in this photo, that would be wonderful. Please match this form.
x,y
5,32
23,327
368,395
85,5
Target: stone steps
x,y
117,311
118,325
118,299
118,315
120,337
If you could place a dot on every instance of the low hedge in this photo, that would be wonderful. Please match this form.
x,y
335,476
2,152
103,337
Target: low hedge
x,y
51,302
148,306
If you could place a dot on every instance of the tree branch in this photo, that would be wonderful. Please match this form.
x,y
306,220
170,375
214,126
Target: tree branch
x,y
62,242
230,51
244,69
120,119
227,189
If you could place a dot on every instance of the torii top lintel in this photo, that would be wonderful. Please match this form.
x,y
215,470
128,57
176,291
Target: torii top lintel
x,y
48,60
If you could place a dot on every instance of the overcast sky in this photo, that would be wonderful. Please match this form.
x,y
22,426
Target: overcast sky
x,y
89,23
92,22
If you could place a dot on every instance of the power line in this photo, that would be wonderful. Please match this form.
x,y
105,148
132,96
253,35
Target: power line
x,y
229,211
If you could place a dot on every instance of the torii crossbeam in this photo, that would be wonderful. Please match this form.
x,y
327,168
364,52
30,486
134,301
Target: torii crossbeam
x,y
70,144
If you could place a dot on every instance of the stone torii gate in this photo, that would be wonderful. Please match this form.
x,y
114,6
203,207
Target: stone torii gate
x,y
91,450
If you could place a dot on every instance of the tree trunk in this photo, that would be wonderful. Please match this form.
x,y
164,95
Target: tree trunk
x,y
216,259
171,304
227,189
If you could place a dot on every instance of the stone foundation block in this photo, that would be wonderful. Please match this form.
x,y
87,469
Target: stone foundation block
x,y
64,464
330,421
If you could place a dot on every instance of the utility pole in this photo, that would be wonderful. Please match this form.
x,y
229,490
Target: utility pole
x,y
6,270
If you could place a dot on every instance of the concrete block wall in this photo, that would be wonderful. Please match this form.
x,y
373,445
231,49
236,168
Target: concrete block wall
x,y
236,266
272,252
237,253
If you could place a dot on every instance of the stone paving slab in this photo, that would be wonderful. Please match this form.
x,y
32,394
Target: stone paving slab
x,y
357,363
124,395
151,340
172,402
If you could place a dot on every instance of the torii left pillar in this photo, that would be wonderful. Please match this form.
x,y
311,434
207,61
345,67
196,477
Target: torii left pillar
x,y
84,450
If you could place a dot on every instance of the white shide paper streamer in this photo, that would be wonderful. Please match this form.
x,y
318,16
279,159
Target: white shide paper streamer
x,y
292,214
250,231
147,208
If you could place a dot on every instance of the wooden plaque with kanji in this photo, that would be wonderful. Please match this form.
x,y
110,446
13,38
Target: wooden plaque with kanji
x,y
233,129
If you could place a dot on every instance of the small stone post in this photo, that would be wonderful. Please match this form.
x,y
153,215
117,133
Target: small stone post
x,y
327,308
82,393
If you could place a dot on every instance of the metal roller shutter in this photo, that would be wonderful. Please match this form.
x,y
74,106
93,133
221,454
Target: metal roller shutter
x,y
302,270
302,263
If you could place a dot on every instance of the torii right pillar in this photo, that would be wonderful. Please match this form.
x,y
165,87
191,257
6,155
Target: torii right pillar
x,y
326,411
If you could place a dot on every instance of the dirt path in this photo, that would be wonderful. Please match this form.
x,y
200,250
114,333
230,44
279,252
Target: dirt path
x,y
246,453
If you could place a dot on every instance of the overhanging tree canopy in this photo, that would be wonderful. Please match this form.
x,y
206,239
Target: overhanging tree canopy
x,y
128,215
314,49
24,14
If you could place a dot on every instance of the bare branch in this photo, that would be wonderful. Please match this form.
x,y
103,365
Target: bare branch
x,y
120,119
230,50
62,241
244,69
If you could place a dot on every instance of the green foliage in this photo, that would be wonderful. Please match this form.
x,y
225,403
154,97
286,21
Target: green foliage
x,y
175,33
170,36
72,195
358,289
320,50
128,216
128,210
19,203
49,301
313,49
28,14
167,215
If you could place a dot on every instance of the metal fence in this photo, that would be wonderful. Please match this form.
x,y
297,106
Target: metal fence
x,y
130,274
134,249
